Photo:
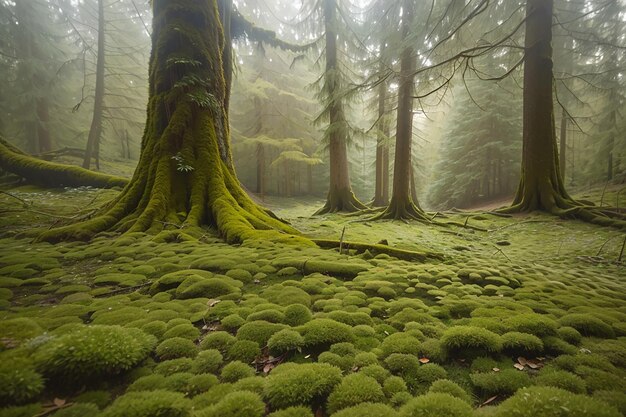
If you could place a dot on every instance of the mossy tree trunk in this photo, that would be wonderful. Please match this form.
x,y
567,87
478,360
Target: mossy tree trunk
x,y
185,178
541,186
402,204
95,131
340,196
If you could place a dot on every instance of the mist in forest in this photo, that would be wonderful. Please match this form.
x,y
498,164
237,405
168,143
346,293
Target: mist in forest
x,y
75,85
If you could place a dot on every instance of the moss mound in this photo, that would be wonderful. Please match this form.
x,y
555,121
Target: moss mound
x,y
436,405
467,341
236,404
293,384
158,403
319,333
176,347
94,351
353,390
553,402
367,410
19,382
292,412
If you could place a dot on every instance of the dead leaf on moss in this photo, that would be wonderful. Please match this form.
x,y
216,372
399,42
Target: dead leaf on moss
x,y
424,360
496,369
519,366
490,400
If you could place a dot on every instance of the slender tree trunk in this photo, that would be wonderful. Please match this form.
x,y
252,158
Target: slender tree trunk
x,y
43,121
189,123
95,132
563,144
340,196
402,204
260,170
381,195
309,173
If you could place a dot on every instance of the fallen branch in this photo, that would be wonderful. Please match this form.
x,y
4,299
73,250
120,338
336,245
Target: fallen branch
x,y
403,254
51,174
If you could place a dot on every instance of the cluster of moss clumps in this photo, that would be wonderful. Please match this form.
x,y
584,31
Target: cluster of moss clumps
x,y
293,384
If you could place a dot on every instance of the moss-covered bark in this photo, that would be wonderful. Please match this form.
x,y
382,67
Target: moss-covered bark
x,y
541,185
185,177
51,174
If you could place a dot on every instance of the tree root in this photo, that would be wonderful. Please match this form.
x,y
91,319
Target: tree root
x,y
403,211
52,174
341,201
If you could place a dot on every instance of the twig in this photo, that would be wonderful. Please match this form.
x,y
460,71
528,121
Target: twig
x,y
26,203
603,191
341,240
621,252
121,290
502,252
602,247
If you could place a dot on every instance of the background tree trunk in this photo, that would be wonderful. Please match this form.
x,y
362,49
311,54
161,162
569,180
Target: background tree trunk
x,y
95,131
340,196
402,205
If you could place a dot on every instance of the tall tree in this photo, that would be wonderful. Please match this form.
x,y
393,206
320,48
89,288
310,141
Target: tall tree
x,y
541,185
95,132
185,174
402,204
340,196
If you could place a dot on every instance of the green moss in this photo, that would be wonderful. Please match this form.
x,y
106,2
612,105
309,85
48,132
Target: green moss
x,y
402,363
185,330
235,370
300,384
588,325
244,351
259,331
320,333
19,382
553,402
232,322
240,275
292,412
393,385
365,358
466,341
516,343
504,382
551,377
552,345
296,315
149,382
344,363
450,387
176,347
219,340
285,340
174,366
149,404
400,343
19,329
208,288
196,384
254,384
209,360
377,372
236,404
614,398
21,411
93,351
156,328
120,279
270,315
537,324
367,410
569,334
419,379
352,390
436,404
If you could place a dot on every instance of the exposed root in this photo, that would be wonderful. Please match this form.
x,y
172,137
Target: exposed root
x,y
341,201
52,174
403,211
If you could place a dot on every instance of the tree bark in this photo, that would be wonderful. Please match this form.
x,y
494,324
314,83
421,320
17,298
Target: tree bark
x,y
402,204
184,178
95,131
381,194
340,196
563,144
260,170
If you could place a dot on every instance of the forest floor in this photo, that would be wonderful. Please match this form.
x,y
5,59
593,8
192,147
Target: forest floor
x,y
526,301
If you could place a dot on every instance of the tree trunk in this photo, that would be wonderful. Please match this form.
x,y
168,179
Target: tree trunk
x,y
381,194
563,144
43,121
260,170
541,185
184,178
402,204
95,132
340,196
